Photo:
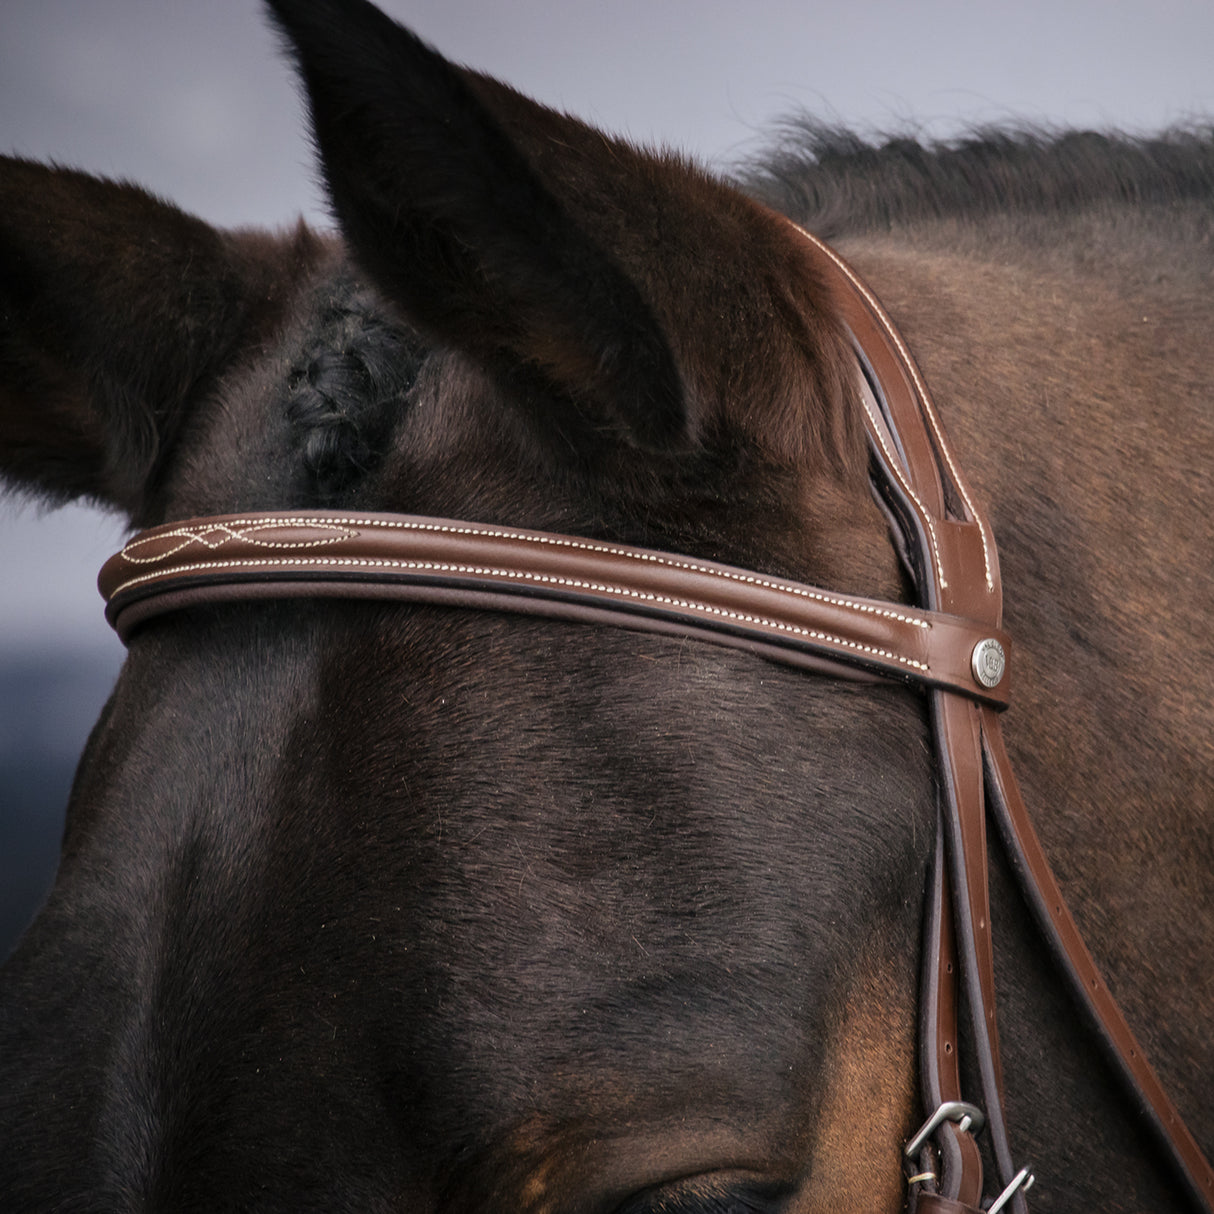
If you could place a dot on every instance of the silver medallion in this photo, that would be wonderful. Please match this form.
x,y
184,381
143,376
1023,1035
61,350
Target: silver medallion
x,y
988,662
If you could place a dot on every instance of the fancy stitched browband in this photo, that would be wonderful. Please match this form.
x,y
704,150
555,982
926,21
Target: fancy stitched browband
x,y
310,553
953,645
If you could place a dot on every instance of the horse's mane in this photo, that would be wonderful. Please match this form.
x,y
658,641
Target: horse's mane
x,y
839,183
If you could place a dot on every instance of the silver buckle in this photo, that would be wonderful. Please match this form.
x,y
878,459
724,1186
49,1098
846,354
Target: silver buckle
x,y
1022,1180
967,1117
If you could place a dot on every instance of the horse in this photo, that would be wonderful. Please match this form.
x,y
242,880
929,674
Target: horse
x,y
378,906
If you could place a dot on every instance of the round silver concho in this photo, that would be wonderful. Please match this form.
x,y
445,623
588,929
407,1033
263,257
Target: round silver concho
x,y
988,662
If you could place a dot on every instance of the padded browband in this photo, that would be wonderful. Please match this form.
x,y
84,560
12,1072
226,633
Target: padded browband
x,y
402,558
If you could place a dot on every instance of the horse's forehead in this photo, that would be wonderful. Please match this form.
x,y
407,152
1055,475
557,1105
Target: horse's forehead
x,y
607,938
607,968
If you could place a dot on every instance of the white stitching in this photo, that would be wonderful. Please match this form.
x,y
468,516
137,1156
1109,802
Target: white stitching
x,y
524,537
892,463
229,532
571,583
928,408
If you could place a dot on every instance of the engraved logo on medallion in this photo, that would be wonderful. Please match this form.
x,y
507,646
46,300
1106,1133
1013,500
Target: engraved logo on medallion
x,y
988,662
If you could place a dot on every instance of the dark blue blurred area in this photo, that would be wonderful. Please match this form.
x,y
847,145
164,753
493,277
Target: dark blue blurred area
x,y
48,703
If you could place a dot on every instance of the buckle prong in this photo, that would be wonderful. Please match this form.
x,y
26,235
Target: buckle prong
x,y
967,1117
1022,1180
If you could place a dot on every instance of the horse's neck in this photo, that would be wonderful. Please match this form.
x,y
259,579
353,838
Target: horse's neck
x,y
1077,399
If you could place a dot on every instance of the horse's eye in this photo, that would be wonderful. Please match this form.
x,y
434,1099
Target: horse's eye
x,y
715,1193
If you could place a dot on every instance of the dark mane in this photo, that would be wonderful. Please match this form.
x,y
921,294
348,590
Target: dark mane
x,y
837,183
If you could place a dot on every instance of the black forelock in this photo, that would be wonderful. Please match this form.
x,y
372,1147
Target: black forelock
x,y
346,389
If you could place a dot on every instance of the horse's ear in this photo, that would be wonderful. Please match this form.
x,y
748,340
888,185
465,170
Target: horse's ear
x,y
117,311
453,221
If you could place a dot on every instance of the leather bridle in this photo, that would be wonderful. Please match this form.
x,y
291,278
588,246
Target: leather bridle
x,y
952,645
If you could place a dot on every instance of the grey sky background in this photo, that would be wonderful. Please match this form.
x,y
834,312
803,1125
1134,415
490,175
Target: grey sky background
x,y
190,98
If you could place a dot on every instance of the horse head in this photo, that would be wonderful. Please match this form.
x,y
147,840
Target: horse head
x,y
374,906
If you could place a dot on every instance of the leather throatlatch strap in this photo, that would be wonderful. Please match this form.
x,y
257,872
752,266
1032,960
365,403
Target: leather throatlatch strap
x,y
953,645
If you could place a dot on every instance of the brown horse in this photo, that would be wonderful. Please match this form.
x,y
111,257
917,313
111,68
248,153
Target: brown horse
x,y
378,907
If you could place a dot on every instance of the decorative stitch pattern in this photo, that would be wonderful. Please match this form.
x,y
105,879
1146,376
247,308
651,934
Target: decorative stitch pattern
x,y
241,530
521,536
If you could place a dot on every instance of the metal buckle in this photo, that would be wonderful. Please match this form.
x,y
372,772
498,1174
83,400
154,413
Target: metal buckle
x,y
967,1117
1022,1180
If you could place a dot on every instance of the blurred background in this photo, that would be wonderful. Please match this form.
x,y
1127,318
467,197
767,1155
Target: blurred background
x,y
193,101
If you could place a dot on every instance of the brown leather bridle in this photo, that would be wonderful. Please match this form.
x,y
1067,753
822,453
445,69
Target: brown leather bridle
x,y
953,646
